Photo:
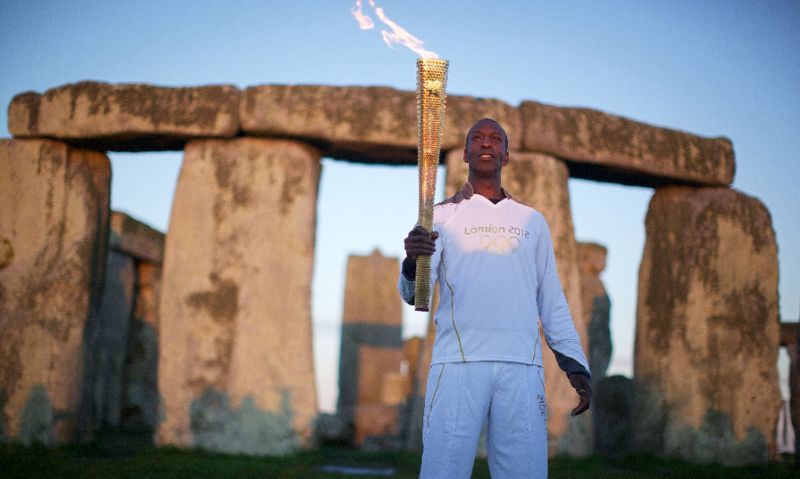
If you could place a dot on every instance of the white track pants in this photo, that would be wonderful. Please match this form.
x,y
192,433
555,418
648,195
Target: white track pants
x,y
507,397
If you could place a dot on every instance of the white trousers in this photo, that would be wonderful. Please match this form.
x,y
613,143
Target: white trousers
x,y
506,397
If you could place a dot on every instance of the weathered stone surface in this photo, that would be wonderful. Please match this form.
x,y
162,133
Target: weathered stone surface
x,y
54,217
789,333
367,124
374,364
235,351
393,388
144,246
136,239
596,307
371,339
707,324
106,339
356,123
355,337
6,252
126,117
373,416
378,429
140,407
541,182
611,148
370,294
412,348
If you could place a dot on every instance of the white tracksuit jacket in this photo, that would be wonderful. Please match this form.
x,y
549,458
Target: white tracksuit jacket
x,y
497,279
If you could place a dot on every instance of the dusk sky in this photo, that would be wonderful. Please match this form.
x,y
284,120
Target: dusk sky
x,y
712,68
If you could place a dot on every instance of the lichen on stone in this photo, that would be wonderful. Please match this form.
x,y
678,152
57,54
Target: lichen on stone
x,y
221,302
36,420
218,426
715,442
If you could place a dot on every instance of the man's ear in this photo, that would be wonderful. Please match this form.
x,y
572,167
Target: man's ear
x,y
465,156
506,159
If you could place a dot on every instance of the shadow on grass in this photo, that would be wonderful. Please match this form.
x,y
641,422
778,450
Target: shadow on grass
x,y
131,455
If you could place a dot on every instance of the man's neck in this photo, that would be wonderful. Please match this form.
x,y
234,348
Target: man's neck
x,y
488,188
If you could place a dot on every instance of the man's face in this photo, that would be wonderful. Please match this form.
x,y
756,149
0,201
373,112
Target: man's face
x,y
486,151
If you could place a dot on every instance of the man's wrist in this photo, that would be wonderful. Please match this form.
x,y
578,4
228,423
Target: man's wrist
x,y
409,269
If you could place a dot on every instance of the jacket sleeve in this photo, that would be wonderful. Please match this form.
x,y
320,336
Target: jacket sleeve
x,y
557,324
406,287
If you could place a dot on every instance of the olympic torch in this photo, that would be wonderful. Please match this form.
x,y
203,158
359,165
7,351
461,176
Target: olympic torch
x,y
431,84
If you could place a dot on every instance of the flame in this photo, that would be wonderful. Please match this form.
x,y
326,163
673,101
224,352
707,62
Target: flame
x,y
398,33
364,22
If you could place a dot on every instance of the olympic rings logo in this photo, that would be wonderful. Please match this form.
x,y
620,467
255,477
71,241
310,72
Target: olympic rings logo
x,y
500,244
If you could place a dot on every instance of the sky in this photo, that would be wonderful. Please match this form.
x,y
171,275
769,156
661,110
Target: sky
x,y
713,68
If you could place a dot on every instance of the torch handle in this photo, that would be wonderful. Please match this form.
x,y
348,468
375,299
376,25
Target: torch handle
x,y
422,293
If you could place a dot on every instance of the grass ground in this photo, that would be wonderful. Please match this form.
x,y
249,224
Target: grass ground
x,y
132,457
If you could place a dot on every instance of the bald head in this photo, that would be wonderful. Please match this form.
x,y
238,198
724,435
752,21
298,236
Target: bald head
x,y
483,121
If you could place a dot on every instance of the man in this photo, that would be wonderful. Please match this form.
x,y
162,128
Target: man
x,y
494,261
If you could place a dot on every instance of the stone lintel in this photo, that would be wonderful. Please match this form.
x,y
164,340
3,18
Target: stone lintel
x,y
134,238
366,125
126,116
363,124
604,147
354,123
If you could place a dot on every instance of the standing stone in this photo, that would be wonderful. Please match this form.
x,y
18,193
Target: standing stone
x,y
407,377
789,418
145,246
541,182
377,418
6,252
141,402
707,326
613,412
596,308
107,340
371,347
54,219
794,392
412,348
235,352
